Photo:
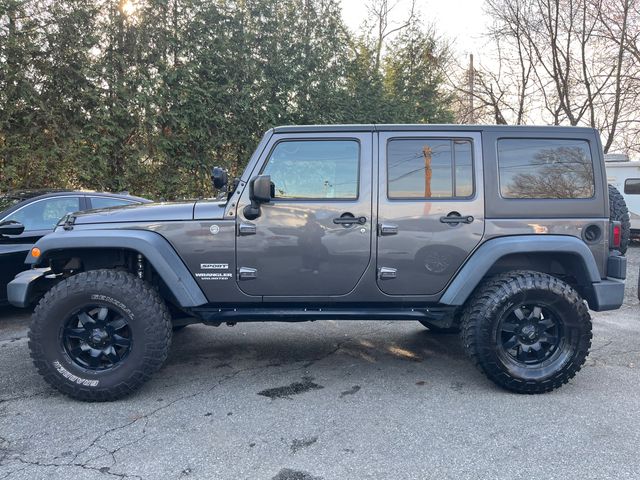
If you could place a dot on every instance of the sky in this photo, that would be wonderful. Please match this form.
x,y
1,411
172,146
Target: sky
x,y
461,21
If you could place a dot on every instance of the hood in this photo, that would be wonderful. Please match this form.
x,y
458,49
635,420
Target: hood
x,y
210,209
149,212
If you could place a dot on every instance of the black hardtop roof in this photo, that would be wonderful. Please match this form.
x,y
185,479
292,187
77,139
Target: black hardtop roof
x,y
424,127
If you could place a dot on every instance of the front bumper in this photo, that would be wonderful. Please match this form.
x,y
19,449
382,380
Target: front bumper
x,y
22,290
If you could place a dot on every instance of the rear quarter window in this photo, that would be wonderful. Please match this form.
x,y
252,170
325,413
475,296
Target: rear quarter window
x,y
545,168
108,202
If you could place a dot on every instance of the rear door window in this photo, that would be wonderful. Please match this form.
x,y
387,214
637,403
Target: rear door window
x,y
429,168
545,168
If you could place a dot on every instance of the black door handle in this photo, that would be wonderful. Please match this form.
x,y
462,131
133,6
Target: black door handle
x,y
348,219
454,218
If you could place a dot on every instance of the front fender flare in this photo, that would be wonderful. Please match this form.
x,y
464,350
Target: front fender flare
x,y
153,246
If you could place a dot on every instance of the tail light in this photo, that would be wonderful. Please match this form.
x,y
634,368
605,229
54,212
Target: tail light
x,y
616,235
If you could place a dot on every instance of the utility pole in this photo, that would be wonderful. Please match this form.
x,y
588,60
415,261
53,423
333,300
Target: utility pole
x,y
427,153
471,117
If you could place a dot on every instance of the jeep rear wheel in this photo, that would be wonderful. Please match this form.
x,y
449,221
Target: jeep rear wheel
x,y
99,335
528,332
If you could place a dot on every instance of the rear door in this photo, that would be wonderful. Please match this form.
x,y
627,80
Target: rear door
x,y
430,210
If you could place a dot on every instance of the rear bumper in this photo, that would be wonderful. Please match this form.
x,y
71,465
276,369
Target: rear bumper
x,y
21,290
617,267
607,294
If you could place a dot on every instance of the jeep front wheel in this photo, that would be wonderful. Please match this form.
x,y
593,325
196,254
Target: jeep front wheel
x,y
529,332
99,335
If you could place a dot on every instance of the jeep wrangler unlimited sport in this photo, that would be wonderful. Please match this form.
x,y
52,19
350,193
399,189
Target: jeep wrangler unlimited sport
x,y
503,233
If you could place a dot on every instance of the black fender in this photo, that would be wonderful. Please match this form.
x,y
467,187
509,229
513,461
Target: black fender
x,y
601,294
153,246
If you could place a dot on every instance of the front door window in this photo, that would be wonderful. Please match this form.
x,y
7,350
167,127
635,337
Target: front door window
x,y
315,170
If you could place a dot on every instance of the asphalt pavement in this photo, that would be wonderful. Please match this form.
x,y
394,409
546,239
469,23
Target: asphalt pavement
x,y
328,400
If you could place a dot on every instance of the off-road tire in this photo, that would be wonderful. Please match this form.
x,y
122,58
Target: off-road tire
x,y
490,305
619,212
141,306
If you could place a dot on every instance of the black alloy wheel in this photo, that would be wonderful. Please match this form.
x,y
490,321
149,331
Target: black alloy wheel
x,y
530,334
97,337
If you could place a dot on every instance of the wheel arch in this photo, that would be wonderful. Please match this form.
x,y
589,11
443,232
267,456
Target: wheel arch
x,y
559,255
94,249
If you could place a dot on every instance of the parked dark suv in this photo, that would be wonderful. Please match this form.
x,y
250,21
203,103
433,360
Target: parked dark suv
x,y
28,215
500,232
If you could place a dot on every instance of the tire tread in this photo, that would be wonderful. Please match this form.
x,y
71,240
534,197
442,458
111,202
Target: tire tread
x,y
484,304
147,301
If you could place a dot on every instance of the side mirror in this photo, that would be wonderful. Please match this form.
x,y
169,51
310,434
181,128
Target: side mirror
x,y
11,227
260,191
219,177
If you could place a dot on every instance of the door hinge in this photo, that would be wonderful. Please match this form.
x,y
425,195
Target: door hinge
x,y
386,273
247,273
246,229
385,229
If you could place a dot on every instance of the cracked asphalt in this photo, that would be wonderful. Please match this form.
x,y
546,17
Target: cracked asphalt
x,y
328,400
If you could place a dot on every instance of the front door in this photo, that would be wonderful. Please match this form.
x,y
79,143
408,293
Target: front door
x,y
314,237
431,208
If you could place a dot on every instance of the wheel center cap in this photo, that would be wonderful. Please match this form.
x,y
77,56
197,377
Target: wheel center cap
x,y
98,336
529,332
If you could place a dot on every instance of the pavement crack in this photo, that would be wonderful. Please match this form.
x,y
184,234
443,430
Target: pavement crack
x,y
102,470
146,417
25,397
299,444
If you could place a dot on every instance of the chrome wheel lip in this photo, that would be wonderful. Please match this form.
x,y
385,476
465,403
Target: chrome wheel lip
x,y
97,337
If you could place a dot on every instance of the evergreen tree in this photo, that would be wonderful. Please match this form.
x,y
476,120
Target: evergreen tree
x,y
148,95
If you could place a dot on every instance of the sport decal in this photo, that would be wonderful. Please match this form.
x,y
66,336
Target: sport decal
x,y
214,266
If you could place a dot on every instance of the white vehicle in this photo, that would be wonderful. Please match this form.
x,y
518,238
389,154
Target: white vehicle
x,y
624,174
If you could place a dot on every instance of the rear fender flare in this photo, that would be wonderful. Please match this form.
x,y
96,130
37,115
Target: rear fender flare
x,y
487,254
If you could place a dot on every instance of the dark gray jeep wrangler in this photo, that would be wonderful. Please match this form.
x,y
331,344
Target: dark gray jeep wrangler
x,y
503,233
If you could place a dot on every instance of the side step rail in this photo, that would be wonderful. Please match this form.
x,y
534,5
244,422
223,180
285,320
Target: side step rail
x,y
301,314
